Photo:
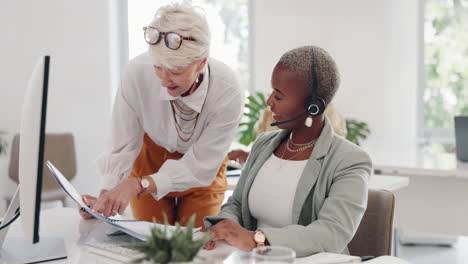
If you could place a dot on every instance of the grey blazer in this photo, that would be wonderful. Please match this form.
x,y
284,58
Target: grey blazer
x,y
329,201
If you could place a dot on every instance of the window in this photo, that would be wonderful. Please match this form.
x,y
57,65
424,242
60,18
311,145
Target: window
x,y
228,22
445,92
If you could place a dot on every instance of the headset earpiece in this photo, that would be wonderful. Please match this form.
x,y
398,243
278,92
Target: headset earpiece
x,y
314,107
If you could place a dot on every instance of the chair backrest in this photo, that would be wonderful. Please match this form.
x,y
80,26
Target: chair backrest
x,y
374,235
59,149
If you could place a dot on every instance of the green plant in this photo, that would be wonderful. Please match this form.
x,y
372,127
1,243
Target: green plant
x,y
254,107
3,144
356,131
163,248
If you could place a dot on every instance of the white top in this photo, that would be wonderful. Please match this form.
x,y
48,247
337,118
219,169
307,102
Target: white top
x,y
272,193
143,105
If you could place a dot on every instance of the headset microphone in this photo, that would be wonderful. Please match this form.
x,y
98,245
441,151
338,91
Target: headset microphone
x,y
290,120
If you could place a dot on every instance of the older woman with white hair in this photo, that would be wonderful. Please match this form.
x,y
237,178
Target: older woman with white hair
x,y
175,115
303,186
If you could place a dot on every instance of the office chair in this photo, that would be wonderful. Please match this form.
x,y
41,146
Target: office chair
x,y
60,150
374,234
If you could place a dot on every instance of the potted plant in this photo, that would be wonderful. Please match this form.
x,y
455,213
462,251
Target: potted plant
x,y
356,131
177,247
253,111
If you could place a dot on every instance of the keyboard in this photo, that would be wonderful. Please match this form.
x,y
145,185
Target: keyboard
x,y
117,253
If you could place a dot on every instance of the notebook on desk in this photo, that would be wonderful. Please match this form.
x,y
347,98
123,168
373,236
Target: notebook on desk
x,y
461,137
135,228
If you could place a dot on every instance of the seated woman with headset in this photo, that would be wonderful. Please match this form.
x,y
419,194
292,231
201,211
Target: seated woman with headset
x,y
302,187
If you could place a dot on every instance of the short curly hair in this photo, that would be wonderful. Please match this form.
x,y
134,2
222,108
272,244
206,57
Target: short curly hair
x,y
299,60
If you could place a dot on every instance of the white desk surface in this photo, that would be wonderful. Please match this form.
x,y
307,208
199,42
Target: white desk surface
x,y
389,183
419,162
66,223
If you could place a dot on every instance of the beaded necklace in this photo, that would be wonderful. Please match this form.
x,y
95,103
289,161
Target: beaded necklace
x,y
190,117
185,120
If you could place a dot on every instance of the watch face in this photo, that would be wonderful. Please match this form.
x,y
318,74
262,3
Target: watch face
x,y
145,183
259,237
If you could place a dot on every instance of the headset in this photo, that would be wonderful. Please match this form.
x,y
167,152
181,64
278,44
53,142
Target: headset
x,y
314,105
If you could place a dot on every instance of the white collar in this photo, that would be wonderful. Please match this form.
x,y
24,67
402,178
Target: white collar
x,y
197,98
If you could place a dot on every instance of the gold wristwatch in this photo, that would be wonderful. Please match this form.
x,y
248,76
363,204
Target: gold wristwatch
x,y
259,238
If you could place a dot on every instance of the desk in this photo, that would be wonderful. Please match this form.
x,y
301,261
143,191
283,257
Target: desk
x,y
66,223
436,199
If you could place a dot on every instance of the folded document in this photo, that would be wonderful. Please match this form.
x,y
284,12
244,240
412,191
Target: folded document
x,y
135,228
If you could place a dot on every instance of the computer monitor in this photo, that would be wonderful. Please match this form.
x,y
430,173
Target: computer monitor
x,y
31,149
27,199
461,137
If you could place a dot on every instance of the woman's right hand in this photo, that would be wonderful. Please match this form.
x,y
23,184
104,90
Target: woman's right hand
x,y
89,201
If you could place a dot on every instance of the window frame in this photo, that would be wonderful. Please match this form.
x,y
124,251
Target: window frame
x,y
427,134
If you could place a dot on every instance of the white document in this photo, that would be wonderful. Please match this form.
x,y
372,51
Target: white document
x,y
135,228
387,260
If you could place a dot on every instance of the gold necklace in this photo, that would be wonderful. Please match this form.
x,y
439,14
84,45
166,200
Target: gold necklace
x,y
286,160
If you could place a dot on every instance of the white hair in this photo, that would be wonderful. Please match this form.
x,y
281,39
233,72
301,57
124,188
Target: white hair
x,y
185,19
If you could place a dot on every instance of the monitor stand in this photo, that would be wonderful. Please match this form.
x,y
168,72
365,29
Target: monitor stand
x,y
18,250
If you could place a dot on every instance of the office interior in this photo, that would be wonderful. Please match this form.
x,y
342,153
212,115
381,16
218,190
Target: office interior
x,y
382,51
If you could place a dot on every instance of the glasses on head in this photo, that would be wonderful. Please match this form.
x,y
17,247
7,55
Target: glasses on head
x,y
171,39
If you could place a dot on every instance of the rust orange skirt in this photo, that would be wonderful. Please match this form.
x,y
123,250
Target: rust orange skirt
x,y
177,206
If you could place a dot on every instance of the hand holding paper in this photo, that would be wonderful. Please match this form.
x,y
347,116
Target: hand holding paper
x,y
138,229
89,201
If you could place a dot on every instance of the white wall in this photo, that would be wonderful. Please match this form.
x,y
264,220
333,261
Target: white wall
x,y
375,44
80,38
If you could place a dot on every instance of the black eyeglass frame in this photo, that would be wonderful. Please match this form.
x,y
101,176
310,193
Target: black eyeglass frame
x,y
165,34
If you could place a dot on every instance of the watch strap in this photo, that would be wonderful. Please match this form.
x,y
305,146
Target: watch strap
x,y
143,189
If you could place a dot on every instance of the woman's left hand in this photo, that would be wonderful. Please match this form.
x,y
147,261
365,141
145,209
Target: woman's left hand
x,y
233,234
117,199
